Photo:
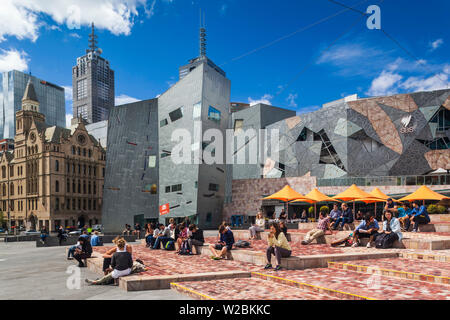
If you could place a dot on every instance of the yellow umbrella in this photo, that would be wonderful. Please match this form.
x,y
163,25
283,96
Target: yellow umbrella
x,y
287,194
377,193
317,196
352,193
424,193
369,200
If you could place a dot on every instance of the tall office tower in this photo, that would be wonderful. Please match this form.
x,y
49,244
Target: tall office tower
x,y
93,84
12,88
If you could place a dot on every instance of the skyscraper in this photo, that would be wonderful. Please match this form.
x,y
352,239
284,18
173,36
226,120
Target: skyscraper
x,y
12,88
93,84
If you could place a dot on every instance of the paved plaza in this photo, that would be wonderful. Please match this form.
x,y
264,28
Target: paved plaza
x,y
31,273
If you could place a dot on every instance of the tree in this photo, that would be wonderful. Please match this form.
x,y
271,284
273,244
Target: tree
x,y
2,219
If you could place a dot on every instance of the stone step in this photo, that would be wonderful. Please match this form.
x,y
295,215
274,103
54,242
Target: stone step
x,y
428,271
362,286
435,227
439,218
247,289
410,240
257,257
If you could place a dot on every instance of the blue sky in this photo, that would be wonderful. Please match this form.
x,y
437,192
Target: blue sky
x,y
147,40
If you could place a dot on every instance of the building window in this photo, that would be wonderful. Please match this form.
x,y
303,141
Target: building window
x,y
73,150
56,186
213,187
214,114
73,204
89,153
176,114
163,123
168,189
81,89
57,204
56,165
442,118
79,186
197,111
11,189
67,205
238,124
176,188
208,217
103,172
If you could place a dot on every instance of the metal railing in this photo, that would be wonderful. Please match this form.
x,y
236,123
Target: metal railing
x,y
386,181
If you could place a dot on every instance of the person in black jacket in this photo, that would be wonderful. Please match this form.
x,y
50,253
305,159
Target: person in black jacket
x,y
61,235
196,238
83,253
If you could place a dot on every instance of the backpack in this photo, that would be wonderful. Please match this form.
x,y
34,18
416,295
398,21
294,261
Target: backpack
x,y
384,241
185,248
170,245
242,244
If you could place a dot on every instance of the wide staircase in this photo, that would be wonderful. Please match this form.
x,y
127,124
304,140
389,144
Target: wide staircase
x,y
417,268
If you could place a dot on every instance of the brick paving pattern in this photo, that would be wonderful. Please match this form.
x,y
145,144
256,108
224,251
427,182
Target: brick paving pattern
x,y
251,289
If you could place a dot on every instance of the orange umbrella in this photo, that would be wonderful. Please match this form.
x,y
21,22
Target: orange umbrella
x,y
352,193
377,193
424,193
317,196
286,194
370,200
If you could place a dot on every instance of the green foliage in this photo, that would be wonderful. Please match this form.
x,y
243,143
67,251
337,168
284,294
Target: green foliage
x,y
325,209
2,219
432,209
311,211
441,209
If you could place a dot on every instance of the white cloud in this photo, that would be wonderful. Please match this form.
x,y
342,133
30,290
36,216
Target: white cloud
x,y
124,99
13,60
69,117
265,99
75,35
291,99
436,44
68,93
384,84
390,82
21,18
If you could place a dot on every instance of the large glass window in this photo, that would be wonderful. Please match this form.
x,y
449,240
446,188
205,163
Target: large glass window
x,y
197,112
176,114
442,118
81,89
214,114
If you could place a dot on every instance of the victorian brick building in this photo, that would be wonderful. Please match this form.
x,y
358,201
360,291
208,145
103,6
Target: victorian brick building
x,y
54,176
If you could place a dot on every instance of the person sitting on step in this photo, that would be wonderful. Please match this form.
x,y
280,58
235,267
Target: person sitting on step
x,y
107,256
138,267
304,217
149,230
391,227
259,225
368,228
346,218
335,213
225,244
404,214
183,235
420,215
322,225
196,238
278,246
121,261
84,252
162,237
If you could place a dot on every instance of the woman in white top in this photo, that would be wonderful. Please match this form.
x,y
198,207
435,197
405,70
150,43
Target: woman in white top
x,y
258,226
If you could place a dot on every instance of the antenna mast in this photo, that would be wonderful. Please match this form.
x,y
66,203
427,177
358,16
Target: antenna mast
x,y
202,35
93,40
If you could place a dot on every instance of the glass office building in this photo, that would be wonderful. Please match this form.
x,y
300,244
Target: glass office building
x,y
12,88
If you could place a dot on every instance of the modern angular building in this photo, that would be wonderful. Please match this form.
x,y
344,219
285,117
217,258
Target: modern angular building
x,y
12,88
141,173
93,84
405,134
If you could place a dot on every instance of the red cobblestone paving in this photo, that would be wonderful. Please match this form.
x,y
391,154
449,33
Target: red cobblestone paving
x,y
297,248
434,268
162,262
377,287
252,289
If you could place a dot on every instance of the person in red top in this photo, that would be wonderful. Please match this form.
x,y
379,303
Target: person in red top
x,y
322,226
